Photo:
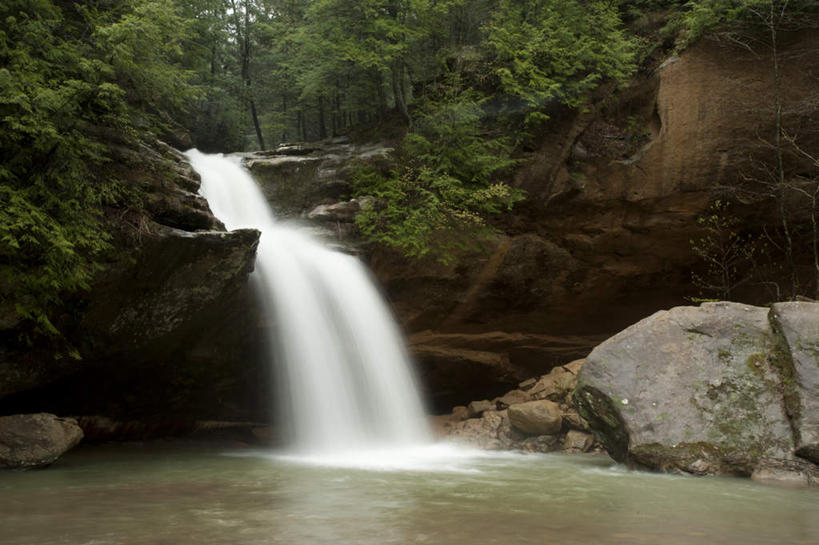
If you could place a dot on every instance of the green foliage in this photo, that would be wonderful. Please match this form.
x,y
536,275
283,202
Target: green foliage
x,y
729,258
702,16
445,184
443,188
547,51
69,77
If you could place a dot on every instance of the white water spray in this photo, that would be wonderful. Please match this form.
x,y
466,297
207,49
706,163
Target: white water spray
x,y
347,384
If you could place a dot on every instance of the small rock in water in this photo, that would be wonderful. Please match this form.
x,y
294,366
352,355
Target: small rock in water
x,y
36,440
541,443
781,477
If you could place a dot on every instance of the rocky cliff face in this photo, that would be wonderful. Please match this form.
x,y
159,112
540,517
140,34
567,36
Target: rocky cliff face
x,y
604,237
145,329
602,240
614,194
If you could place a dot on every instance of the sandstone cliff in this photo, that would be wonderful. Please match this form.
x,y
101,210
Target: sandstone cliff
x,y
614,194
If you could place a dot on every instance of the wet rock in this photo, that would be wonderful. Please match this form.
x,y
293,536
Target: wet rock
x,y
341,211
536,417
154,298
541,443
490,431
182,210
798,327
693,389
35,440
296,178
782,477
577,442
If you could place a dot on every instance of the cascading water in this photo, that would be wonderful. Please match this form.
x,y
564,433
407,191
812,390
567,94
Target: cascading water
x,y
346,381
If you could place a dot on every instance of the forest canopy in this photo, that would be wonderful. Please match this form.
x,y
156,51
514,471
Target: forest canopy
x,y
461,87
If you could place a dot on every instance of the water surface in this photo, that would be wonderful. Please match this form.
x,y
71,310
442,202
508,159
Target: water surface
x,y
179,494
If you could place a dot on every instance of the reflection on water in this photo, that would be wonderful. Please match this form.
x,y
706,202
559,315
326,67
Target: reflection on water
x,y
178,495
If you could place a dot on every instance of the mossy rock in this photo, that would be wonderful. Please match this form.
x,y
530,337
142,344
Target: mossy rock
x,y
692,389
797,327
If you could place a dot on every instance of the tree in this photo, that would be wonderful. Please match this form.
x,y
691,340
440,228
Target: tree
x,y
757,26
216,118
72,76
729,257
555,51
445,182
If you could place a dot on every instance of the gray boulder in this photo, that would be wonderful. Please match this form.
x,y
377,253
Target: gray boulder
x,y
536,417
798,327
692,389
35,440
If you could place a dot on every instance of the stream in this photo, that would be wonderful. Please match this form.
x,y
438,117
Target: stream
x,y
178,493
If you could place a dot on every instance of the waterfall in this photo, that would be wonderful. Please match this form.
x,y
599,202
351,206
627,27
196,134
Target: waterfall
x,y
345,380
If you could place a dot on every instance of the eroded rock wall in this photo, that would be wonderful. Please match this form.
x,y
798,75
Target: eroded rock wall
x,y
614,193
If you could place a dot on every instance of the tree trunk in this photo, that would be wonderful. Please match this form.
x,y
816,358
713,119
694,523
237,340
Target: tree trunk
x,y
256,124
322,126
382,98
398,93
301,130
284,118
782,192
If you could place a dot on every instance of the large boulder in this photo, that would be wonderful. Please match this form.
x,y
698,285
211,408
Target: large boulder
x,y
693,389
35,440
798,326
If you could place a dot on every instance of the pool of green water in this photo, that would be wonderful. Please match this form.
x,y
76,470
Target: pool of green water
x,y
179,494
